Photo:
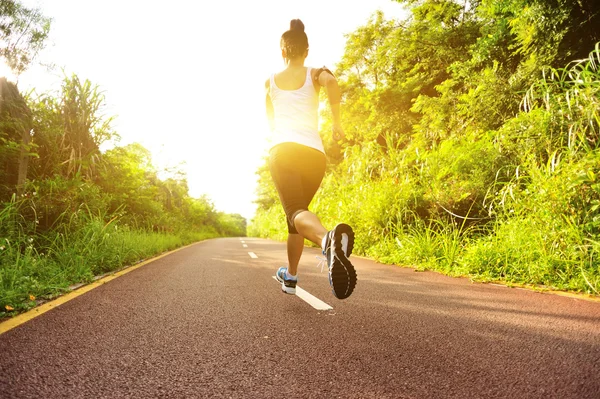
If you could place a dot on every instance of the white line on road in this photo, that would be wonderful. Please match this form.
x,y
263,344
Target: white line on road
x,y
245,246
243,242
310,299
252,255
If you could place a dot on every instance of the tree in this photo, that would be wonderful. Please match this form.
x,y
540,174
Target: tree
x,y
129,177
15,127
23,33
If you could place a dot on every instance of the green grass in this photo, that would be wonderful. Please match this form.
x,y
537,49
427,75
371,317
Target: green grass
x,y
530,189
547,253
43,266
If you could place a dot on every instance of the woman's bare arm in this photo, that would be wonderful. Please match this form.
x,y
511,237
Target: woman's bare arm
x,y
334,94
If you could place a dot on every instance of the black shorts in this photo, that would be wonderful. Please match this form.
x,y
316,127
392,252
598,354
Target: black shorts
x,y
297,171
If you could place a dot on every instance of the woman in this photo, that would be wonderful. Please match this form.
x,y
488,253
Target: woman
x,y
297,161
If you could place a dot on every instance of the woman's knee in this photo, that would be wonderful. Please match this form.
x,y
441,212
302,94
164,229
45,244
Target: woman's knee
x,y
291,218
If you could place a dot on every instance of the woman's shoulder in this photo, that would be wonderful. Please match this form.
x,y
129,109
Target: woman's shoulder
x,y
316,73
270,79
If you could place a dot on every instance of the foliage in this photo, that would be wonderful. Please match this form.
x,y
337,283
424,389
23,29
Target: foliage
x,y
15,127
85,212
44,265
473,142
23,32
69,128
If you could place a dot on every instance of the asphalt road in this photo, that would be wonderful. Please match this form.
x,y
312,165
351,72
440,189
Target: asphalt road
x,y
209,321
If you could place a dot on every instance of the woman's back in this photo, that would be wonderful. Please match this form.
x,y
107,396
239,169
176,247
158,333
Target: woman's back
x,y
295,108
291,79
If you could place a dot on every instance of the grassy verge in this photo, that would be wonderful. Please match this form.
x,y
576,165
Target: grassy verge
x,y
520,252
40,267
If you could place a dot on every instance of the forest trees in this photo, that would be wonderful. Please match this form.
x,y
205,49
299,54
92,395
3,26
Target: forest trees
x,y
78,211
60,134
473,141
69,173
23,33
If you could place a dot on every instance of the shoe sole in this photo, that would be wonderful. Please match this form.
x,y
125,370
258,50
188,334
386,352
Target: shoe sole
x,y
287,290
342,275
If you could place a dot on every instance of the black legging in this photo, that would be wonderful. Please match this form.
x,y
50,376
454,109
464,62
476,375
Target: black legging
x,y
297,171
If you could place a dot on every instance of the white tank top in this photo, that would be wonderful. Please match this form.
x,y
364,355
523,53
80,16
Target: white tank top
x,y
296,114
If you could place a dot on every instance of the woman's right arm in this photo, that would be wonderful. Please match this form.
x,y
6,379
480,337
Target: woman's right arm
x,y
334,94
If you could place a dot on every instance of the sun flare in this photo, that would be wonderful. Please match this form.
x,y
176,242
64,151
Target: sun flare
x,y
5,71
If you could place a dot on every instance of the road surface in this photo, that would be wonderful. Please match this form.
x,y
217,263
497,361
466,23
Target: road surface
x,y
210,321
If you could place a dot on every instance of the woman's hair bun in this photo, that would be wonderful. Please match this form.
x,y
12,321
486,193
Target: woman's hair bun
x,y
296,24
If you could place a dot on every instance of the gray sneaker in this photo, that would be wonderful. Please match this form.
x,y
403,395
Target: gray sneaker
x,y
339,243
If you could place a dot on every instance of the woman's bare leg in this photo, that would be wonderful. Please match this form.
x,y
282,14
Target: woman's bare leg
x,y
309,226
295,245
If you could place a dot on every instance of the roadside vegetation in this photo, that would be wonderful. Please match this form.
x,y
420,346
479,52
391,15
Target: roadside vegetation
x,y
473,134
69,211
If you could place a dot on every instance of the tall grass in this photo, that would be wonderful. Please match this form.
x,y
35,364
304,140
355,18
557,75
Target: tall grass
x,y
38,266
533,184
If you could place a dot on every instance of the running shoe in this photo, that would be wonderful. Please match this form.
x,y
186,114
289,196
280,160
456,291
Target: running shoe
x,y
287,285
339,243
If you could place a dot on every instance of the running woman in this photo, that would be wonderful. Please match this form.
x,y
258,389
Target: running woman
x,y
297,161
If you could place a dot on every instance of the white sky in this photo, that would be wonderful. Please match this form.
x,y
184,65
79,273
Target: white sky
x,y
186,78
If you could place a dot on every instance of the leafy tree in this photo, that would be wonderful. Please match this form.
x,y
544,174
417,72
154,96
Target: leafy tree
x,y
266,194
130,179
232,224
23,32
15,127
473,130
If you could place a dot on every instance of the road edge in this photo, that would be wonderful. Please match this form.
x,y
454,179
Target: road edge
x,y
22,318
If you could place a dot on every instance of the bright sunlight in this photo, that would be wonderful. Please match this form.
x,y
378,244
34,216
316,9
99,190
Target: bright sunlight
x,y
194,95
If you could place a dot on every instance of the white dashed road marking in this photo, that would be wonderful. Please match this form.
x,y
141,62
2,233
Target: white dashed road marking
x,y
252,255
245,246
310,299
